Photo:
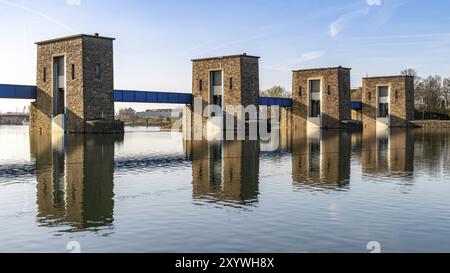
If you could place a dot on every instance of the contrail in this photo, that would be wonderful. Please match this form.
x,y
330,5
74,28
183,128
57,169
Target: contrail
x,y
37,13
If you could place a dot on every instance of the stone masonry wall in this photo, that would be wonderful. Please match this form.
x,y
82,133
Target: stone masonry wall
x,y
240,81
401,100
335,105
250,81
98,93
72,50
231,70
345,95
87,97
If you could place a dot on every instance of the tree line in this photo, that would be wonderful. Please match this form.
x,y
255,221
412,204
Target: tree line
x,y
432,94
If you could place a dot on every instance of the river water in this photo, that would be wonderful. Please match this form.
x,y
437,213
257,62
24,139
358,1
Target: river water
x,y
150,191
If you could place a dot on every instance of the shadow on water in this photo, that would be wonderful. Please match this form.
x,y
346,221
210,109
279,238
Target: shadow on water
x,y
75,180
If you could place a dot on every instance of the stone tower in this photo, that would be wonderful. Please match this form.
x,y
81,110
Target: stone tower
x,y
388,101
226,81
321,98
75,86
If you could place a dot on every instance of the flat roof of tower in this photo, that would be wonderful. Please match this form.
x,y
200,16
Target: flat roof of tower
x,y
322,68
224,57
380,77
74,37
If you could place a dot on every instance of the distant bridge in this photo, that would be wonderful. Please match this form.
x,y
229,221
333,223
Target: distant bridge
x,y
8,91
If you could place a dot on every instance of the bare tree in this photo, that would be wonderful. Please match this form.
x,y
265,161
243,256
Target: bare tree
x,y
446,92
432,90
419,93
412,72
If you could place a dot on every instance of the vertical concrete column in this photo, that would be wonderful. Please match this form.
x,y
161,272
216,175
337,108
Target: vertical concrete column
x,y
285,127
187,122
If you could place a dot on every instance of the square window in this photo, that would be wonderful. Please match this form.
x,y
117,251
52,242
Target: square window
x,y
383,91
315,86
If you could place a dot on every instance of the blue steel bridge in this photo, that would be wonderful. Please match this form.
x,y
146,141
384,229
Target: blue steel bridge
x,y
8,91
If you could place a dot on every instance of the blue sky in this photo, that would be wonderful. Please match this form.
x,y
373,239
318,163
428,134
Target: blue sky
x,y
156,39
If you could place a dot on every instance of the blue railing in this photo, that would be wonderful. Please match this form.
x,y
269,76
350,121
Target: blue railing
x,y
282,102
356,105
152,97
8,91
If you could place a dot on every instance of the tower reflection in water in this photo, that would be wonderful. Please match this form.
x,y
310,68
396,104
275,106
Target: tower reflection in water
x,y
225,172
74,180
389,151
321,159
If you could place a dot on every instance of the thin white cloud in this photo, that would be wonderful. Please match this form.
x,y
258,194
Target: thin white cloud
x,y
337,26
309,56
37,13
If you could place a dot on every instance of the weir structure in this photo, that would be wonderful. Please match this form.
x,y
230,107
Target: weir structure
x,y
75,86
388,101
321,97
221,83
74,92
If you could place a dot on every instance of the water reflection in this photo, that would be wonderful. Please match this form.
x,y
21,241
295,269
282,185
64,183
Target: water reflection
x,y
75,174
147,195
74,180
388,151
433,145
226,171
321,158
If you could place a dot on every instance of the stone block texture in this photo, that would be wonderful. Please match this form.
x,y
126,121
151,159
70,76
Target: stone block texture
x,y
401,100
335,96
240,79
89,95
